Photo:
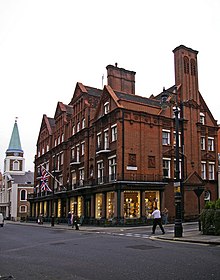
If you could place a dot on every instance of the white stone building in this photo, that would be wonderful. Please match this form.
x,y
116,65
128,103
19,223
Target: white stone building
x,y
16,182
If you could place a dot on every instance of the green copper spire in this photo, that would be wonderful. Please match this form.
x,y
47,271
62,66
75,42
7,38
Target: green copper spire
x,y
15,143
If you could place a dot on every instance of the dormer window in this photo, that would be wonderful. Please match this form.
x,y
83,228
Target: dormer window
x,y
202,118
106,108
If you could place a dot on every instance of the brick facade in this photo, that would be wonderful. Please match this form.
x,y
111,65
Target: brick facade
x,y
114,152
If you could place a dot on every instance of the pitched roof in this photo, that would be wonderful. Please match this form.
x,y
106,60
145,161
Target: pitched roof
x,y
137,99
27,178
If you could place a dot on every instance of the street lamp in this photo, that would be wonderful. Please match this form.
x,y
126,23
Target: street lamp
x,y
178,229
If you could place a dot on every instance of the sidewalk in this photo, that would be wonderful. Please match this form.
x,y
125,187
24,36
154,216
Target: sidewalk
x,y
193,236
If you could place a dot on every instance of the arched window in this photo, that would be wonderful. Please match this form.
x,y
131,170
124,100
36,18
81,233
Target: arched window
x,y
186,65
16,165
207,196
23,195
193,67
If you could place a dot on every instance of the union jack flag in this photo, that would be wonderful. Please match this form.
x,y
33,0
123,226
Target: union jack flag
x,y
44,180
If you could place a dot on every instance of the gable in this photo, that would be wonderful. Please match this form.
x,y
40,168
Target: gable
x,y
46,128
108,95
79,90
194,180
208,115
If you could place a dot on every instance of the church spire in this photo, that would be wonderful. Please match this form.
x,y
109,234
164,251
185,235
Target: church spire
x,y
14,161
15,143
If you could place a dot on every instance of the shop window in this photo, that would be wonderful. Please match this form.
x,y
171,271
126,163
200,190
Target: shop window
x,y
98,203
79,206
59,208
152,200
131,204
110,205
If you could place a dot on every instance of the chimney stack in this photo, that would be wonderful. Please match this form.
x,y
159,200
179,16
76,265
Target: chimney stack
x,y
120,79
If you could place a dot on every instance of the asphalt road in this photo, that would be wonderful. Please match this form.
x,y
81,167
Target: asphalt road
x,y
28,252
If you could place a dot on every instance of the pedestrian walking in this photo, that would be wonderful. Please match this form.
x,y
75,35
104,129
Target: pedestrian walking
x,y
69,218
157,220
74,220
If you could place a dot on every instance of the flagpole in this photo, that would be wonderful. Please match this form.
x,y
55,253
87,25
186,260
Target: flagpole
x,y
50,174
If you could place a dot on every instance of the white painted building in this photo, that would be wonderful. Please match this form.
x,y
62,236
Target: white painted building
x,y
16,182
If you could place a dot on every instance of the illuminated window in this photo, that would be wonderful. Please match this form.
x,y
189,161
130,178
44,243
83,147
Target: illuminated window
x,y
110,205
98,204
131,204
152,200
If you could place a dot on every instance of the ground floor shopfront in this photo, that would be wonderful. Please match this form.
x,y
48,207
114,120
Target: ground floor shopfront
x,y
106,204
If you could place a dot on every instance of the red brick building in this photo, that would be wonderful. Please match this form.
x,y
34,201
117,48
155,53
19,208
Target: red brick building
x,y
112,153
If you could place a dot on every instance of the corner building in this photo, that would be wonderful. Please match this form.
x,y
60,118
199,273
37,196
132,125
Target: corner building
x,y
112,154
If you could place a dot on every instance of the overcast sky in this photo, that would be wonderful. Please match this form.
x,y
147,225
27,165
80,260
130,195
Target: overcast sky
x,y
47,46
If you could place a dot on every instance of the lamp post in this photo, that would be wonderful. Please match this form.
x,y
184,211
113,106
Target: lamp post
x,y
178,229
